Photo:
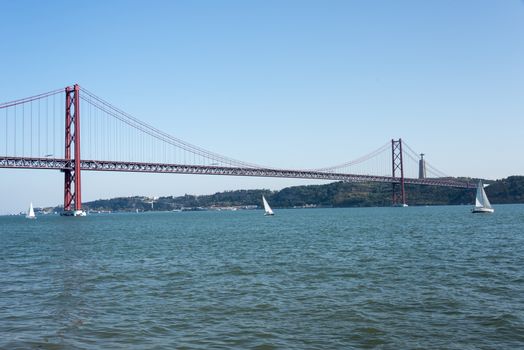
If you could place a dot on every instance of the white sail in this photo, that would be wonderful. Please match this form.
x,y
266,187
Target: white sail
x,y
482,204
31,212
267,208
481,200
478,204
485,200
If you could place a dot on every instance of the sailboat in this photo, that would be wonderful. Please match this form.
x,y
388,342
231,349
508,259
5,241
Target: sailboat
x,y
30,212
482,204
267,208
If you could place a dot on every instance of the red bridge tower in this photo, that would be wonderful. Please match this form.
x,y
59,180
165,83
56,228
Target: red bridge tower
x,y
72,180
399,199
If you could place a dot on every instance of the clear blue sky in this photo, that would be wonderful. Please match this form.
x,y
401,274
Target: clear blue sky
x,y
295,84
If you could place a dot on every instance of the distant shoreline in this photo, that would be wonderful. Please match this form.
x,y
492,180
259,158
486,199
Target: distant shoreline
x,y
509,190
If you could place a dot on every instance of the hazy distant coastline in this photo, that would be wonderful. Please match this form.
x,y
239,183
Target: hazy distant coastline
x,y
337,194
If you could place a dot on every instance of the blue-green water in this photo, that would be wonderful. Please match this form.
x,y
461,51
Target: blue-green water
x,y
388,278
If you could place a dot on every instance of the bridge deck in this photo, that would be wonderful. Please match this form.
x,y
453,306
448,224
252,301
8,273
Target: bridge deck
x,y
99,165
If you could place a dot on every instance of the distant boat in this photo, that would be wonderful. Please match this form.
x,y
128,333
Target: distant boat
x,y
267,208
30,212
402,205
78,212
482,204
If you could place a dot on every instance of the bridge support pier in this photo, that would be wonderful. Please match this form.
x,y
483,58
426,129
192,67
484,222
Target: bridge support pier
x,y
398,192
72,179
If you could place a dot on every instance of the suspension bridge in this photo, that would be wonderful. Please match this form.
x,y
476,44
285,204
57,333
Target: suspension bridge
x,y
39,128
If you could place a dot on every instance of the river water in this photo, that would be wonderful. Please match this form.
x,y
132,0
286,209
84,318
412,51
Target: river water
x,y
386,278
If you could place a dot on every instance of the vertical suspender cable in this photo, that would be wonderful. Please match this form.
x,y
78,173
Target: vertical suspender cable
x,y
104,136
112,137
23,129
91,131
54,126
31,129
47,125
6,124
39,154
96,133
115,144
108,138
14,153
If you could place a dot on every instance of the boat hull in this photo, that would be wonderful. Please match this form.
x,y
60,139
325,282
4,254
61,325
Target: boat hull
x,y
482,210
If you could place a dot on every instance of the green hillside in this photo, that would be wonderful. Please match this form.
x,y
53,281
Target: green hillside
x,y
336,194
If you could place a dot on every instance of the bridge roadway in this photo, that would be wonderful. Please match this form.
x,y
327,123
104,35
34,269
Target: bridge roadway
x,y
138,167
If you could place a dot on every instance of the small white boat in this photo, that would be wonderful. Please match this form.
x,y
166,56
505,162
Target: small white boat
x,y
79,212
482,204
30,212
267,208
404,205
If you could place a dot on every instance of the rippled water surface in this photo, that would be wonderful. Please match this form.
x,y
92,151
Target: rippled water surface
x,y
388,278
